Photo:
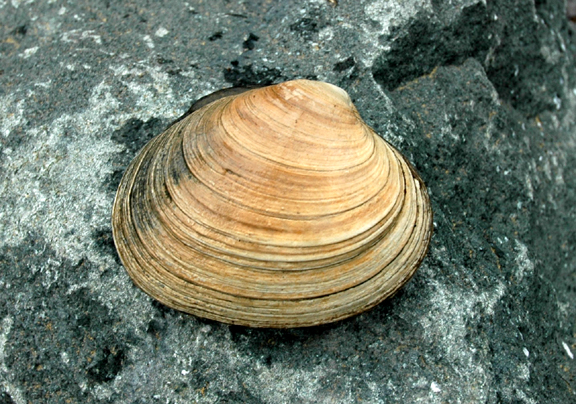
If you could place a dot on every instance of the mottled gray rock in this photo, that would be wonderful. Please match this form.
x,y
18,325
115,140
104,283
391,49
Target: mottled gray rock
x,y
480,97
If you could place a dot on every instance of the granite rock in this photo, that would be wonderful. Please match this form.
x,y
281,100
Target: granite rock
x,y
481,96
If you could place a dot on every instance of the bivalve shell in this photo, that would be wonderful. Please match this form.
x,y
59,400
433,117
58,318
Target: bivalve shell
x,y
277,207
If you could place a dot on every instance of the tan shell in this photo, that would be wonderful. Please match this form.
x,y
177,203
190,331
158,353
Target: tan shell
x,y
278,207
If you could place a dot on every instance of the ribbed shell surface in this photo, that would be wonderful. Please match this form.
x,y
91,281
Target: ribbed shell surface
x,y
278,207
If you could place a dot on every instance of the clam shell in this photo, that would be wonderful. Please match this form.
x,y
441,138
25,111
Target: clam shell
x,y
278,207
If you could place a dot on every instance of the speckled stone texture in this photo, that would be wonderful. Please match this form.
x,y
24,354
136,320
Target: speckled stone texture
x,y
481,97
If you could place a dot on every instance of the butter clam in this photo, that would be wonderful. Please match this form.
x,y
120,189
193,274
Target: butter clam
x,y
277,207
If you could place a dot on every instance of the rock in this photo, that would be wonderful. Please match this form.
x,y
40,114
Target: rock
x,y
480,97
